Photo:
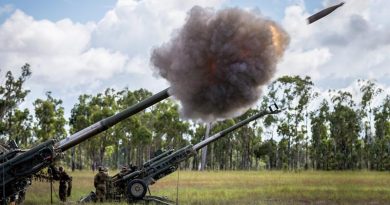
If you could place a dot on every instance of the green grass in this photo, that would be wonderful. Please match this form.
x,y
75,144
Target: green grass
x,y
250,187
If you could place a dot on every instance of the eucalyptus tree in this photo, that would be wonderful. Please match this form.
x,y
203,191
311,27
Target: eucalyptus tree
x,y
295,94
144,134
283,157
102,106
21,128
167,122
171,131
49,118
381,145
247,137
320,151
271,125
133,135
344,130
12,93
267,151
221,156
79,119
369,91
125,131
141,138
282,93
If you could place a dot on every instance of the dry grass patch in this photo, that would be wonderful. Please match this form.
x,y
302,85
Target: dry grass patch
x,y
250,187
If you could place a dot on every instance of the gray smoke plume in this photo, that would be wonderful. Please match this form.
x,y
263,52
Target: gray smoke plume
x,y
219,61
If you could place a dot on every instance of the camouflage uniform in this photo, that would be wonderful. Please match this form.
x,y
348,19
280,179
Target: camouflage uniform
x,y
100,181
64,179
123,171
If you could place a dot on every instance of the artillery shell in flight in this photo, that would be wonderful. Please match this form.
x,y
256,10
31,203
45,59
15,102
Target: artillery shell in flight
x,y
317,16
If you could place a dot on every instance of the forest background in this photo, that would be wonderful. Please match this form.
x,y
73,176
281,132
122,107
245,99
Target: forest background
x,y
331,130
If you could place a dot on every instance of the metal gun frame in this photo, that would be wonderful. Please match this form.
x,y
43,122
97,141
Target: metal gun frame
x,y
18,166
134,184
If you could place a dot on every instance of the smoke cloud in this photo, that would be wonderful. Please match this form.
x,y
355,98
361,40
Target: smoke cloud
x,y
219,60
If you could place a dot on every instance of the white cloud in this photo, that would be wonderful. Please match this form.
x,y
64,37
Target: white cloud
x,y
76,53
301,62
352,42
135,27
70,58
139,64
58,52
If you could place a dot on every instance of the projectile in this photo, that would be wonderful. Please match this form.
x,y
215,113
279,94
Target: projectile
x,y
323,13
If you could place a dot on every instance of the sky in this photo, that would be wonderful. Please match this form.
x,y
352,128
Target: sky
x,y
85,46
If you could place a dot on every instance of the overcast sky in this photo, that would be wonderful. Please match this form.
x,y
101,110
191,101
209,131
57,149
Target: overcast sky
x,y
77,47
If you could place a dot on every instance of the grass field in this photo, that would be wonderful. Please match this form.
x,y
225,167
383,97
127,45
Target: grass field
x,y
249,188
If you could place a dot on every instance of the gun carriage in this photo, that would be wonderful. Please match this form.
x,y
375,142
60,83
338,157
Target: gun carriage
x,y
133,184
17,166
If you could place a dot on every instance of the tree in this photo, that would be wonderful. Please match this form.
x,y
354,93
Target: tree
x,y
335,135
102,105
50,121
270,123
320,151
222,150
268,151
344,130
49,116
12,93
369,90
21,128
246,138
168,122
142,134
381,146
80,118
125,131
197,136
294,93
283,154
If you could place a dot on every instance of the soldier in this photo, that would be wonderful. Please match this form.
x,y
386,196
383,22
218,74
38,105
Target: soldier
x,y
100,181
133,167
65,181
123,171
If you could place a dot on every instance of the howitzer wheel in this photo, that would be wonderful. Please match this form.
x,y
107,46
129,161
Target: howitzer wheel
x,y
136,189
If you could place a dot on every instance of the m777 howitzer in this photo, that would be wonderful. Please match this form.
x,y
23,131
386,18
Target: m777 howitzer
x,y
134,183
17,166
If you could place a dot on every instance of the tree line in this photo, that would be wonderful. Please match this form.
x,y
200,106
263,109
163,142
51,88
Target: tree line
x,y
334,130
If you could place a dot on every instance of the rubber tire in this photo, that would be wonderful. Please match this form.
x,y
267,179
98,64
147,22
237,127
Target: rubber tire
x,y
136,182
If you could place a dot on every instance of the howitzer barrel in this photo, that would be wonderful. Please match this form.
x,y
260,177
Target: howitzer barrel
x,y
224,132
133,184
106,123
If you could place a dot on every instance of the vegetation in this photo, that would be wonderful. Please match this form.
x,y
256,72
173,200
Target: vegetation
x,y
336,130
249,187
15,123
